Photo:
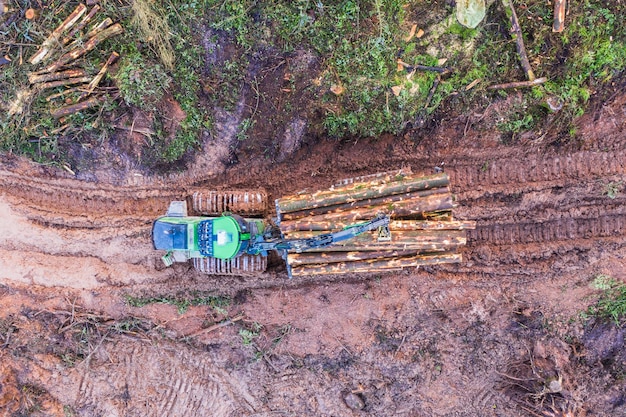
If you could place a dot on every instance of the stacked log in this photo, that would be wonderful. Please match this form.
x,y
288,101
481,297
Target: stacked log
x,y
422,230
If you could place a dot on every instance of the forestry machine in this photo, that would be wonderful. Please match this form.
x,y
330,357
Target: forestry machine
x,y
377,223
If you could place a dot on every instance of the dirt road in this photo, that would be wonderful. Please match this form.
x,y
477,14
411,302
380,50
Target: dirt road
x,y
441,341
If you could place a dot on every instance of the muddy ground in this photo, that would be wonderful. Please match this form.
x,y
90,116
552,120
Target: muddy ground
x,y
497,335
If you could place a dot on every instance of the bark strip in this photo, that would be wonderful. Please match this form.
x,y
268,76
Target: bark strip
x,y
559,16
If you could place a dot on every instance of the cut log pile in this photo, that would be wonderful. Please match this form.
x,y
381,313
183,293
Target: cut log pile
x,y
422,230
67,43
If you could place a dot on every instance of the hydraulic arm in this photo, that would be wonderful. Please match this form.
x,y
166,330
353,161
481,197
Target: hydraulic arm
x,y
262,246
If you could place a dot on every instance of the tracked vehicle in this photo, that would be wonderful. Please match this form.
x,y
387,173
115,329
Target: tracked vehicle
x,y
377,223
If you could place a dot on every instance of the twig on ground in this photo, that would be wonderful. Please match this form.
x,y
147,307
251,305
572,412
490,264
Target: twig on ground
x,y
518,84
54,76
217,326
96,80
409,67
516,34
59,83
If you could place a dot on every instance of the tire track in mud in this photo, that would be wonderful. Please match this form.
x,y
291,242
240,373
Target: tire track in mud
x,y
536,168
548,213
528,210
158,379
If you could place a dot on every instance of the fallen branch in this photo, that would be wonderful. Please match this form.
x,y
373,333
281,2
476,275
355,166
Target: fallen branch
x,y
75,108
59,83
42,78
109,32
82,23
516,34
217,326
65,92
431,93
96,80
559,16
99,27
518,84
409,67
146,132
48,45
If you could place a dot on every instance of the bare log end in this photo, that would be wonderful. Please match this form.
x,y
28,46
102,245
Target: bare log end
x,y
32,14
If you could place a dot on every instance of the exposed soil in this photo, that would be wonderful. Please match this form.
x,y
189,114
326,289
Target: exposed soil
x,y
496,335
446,340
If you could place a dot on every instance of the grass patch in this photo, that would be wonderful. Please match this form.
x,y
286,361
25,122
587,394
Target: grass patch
x,y
159,56
204,53
611,304
183,302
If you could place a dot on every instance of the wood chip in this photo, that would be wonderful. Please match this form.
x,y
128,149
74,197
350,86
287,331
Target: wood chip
x,y
411,33
419,34
32,14
396,89
472,84
337,89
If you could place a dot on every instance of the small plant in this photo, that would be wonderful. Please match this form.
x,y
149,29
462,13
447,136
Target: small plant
x,y
68,411
244,126
248,335
613,189
612,302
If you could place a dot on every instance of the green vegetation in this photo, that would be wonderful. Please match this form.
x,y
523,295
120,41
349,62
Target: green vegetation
x,y
248,335
613,188
183,302
205,53
142,83
611,304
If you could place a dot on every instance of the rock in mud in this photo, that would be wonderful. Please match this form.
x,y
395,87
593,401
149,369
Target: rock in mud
x,y
354,401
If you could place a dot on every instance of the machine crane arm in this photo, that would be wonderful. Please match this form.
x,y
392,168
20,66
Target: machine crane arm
x,y
299,245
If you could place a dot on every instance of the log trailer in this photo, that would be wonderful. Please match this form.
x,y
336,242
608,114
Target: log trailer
x,y
377,223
